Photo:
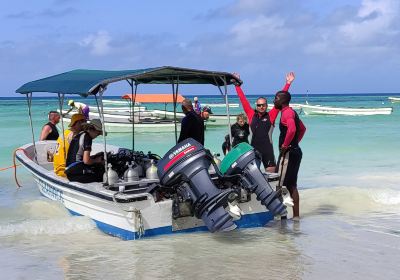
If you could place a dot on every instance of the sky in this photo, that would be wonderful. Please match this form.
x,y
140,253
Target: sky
x,y
333,46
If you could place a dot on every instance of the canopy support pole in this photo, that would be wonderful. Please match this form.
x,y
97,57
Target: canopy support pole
x,y
132,109
60,104
103,126
225,95
175,97
29,100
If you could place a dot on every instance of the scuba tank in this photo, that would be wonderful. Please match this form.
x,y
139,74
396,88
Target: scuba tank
x,y
131,174
112,175
126,170
151,171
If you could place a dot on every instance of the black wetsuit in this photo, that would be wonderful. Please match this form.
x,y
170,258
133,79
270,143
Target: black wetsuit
x,y
289,161
76,169
53,135
261,140
192,126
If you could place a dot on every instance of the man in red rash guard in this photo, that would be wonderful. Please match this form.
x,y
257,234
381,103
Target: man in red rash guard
x,y
292,131
262,124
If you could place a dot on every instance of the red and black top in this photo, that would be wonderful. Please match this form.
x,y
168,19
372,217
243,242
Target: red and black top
x,y
291,127
262,126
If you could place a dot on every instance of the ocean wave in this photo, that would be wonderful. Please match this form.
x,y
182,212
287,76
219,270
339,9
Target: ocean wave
x,y
348,200
48,227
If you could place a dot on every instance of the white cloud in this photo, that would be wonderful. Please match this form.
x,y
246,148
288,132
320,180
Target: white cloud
x,y
374,19
98,43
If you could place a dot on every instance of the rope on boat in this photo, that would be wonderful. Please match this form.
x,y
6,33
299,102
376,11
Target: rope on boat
x,y
16,165
9,167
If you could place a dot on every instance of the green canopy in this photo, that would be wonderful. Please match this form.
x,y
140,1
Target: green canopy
x,y
86,82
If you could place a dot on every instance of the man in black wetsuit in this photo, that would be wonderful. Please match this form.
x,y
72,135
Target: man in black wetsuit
x,y
192,125
49,130
292,131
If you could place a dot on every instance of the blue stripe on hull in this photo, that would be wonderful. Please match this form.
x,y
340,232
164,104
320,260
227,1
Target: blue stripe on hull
x,y
247,221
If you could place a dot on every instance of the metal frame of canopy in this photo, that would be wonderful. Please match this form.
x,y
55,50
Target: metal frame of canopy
x,y
95,82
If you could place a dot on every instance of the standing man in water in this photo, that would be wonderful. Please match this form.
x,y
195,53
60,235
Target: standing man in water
x,y
192,125
49,130
292,131
262,123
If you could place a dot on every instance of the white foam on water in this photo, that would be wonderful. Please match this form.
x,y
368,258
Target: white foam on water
x,y
348,200
55,226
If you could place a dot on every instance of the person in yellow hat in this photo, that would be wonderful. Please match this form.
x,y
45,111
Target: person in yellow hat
x,y
75,127
81,107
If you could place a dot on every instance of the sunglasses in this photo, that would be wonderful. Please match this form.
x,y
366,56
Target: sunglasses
x,y
261,105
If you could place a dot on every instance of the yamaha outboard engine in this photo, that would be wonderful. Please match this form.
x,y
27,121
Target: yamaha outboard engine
x,y
187,164
242,159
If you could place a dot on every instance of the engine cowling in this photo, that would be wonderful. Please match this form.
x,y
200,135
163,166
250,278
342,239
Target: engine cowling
x,y
188,162
242,160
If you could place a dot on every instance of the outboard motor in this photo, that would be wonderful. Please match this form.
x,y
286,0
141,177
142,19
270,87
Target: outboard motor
x,y
242,159
187,164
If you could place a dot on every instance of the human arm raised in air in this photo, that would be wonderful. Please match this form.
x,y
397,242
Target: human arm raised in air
x,y
245,103
273,113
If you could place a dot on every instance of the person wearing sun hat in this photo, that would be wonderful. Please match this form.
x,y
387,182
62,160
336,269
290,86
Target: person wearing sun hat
x,y
81,167
81,107
59,157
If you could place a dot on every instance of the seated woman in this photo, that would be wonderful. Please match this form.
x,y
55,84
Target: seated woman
x,y
240,133
240,130
81,167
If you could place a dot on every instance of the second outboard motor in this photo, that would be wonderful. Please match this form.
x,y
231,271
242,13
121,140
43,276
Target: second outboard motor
x,y
188,162
243,160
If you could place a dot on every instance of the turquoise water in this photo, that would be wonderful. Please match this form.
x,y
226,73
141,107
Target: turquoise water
x,y
350,200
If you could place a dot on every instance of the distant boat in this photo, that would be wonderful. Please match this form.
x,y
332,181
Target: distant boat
x,y
394,99
327,110
117,124
116,102
221,105
118,109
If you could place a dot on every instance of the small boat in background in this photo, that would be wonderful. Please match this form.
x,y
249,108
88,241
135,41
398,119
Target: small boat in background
x,y
220,105
328,110
394,99
118,109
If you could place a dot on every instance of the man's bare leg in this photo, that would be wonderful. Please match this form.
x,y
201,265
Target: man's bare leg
x,y
294,193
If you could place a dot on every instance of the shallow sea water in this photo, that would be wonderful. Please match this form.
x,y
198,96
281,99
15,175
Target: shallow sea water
x,y
350,205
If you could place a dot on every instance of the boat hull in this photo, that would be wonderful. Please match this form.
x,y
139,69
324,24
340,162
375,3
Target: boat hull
x,y
118,217
322,110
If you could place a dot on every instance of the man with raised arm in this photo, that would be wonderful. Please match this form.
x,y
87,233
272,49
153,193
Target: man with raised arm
x,y
262,123
292,131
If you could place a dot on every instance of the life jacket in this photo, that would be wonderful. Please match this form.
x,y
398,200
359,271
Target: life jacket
x,y
283,129
53,135
61,152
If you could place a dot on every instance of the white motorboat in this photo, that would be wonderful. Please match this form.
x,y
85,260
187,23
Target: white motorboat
x,y
145,122
394,99
189,193
220,105
328,110
112,110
